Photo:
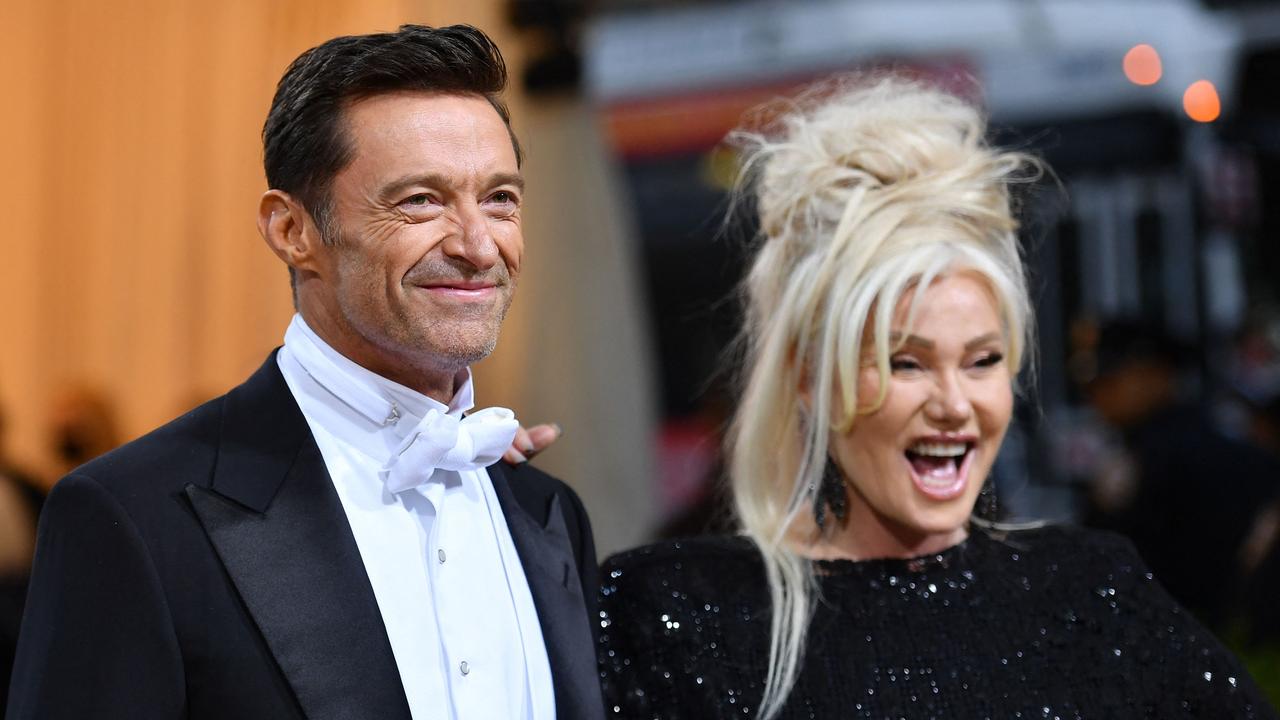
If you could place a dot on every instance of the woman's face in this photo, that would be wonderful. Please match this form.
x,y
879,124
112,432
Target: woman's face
x,y
916,464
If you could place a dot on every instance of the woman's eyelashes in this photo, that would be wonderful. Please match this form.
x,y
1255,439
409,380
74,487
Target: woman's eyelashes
x,y
904,363
909,363
989,360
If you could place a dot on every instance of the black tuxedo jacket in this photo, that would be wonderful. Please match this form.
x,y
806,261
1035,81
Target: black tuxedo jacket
x,y
207,570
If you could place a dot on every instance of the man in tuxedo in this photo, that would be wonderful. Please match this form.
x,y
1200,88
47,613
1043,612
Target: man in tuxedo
x,y
333,538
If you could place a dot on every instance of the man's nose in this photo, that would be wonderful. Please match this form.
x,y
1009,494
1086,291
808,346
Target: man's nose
x,y
473,239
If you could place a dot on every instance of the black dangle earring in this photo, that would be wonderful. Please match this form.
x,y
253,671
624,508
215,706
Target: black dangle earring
x,y
987,508
830,494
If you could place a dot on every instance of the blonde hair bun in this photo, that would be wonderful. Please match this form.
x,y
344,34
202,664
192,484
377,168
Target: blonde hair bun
x,y
834,157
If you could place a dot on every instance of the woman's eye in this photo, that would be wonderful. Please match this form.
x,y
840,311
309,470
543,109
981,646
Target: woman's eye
x,y
898,364
989,360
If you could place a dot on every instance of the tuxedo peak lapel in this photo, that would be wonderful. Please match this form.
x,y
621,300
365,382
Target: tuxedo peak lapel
x,y
262,431
278,526
552,573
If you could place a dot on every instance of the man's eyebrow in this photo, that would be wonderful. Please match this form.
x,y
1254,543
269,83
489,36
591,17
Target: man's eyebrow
x,y
399,185
508,179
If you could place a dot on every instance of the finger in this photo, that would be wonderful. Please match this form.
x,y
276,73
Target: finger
x,y
521,441
520,445
542,437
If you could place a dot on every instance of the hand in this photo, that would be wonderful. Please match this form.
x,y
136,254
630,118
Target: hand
x,y
531,441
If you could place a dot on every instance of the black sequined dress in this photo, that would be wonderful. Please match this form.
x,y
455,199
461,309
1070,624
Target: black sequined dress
x,y
1054,622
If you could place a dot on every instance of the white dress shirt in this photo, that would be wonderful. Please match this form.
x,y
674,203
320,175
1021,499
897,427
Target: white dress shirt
x,y
449,584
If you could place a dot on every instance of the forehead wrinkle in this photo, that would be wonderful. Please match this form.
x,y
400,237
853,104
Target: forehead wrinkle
x,y
485,146
451,141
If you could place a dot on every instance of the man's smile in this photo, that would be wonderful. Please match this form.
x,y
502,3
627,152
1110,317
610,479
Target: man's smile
x,y
463,290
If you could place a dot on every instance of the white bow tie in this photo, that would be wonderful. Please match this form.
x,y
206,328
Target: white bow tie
x,y
443,442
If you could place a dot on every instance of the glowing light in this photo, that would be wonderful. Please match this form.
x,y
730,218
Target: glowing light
x,y
1201,101
1142,65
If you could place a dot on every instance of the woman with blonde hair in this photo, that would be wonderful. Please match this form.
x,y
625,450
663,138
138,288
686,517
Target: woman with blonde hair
x,y
887,317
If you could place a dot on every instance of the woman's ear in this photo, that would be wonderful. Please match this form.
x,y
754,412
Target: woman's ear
x,y
288,230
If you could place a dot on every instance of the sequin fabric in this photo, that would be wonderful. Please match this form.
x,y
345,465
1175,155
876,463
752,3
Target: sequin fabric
x,y
1053,622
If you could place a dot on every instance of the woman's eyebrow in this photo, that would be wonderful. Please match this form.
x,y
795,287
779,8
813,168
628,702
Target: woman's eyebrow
x,y
927,344
899,338
983,340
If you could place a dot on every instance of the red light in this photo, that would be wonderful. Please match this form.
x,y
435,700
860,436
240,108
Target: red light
x,y
1201,101
1142,65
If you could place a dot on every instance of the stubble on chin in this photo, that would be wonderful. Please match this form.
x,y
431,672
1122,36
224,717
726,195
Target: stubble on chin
x,y
456,351
461,340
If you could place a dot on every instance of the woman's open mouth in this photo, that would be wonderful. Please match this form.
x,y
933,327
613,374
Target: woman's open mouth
x,y
940,468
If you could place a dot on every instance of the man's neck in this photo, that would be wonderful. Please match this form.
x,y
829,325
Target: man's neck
x,y
438,383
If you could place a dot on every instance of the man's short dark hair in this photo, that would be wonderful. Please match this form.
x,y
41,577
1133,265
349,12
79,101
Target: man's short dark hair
x,y
304,141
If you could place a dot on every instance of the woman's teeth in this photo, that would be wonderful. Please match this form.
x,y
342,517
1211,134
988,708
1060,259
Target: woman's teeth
x,y
939,467
945,450
937,464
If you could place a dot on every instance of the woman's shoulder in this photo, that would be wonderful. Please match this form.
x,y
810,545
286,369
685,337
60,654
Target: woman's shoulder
x,y
707,561
1057,543
1096,581
1092,571
703,553
684,577
681,624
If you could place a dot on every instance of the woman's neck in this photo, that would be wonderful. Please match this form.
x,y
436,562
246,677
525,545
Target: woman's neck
x,y
867,535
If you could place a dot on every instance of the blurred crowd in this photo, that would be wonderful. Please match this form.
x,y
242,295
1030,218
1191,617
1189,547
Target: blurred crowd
x,y
1189,469
1191,476
82,426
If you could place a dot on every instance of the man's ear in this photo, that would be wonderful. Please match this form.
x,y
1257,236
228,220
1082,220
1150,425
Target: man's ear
x,y
288,230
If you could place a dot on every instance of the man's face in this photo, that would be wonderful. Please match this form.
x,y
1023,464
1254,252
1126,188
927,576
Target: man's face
x,y
427,241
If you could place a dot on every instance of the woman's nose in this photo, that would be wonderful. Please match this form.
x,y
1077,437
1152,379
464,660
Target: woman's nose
x,y
949,403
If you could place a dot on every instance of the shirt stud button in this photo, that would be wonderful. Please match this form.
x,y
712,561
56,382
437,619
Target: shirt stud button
x,y
440,554
464,668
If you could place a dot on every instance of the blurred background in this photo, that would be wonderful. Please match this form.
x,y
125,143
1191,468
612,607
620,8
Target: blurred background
x,y
133,284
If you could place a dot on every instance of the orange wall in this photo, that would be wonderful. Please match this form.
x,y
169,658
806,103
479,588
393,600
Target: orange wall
x,y
132,168
131,175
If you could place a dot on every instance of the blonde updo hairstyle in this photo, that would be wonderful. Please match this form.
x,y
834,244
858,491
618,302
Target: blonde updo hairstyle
x,y
866,190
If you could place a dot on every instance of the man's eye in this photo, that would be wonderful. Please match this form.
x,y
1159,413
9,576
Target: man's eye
x,y
503,197
419,199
